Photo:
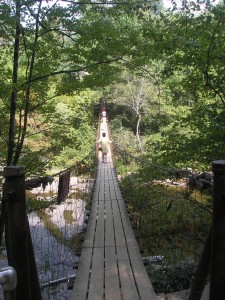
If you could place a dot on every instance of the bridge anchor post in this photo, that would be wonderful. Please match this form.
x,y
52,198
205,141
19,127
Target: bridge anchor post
x,y
217,270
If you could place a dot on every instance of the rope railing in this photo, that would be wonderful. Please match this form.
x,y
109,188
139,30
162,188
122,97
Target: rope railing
x,y
200,180
48,179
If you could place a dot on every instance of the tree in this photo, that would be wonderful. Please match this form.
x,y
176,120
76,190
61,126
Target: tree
x,y
139,95
193,46
59,50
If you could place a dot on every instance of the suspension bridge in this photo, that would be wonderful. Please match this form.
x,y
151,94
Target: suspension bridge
x,y
110,265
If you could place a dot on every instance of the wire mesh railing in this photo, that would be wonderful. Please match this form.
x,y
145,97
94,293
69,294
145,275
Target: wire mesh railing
x,y
56,224
171,212
56,207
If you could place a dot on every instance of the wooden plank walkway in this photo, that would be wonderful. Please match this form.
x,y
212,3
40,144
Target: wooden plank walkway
x,y
110,265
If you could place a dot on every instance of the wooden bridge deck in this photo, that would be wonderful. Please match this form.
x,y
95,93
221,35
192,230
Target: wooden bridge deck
x,y
110,265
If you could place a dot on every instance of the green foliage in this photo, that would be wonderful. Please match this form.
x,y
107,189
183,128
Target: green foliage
x,y
194,139
71,129
167,224
68,216
75,49
192,46
168,278
124,146
164,217
60,50
38,205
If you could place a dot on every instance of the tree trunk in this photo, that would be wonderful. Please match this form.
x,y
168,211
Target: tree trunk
x,y
11,136
23,129
139,104
138,132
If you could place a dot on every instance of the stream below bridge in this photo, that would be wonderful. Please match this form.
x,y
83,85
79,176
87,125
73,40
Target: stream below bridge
x,y
54,259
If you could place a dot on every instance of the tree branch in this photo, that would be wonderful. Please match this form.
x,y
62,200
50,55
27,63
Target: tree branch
x,y
72,70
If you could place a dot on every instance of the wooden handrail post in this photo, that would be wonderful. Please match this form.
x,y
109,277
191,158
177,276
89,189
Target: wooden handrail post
x,y
217,271
202,271
16,228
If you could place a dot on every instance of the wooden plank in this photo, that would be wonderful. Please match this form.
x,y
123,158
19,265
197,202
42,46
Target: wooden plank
x,y
81,284
141,277
112,284
80,287
142,280
128,285
111,266
144,285
96,286
91,227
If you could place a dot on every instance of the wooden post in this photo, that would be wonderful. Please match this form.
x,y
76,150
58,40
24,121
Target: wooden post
x,y
34,280
16,228
202,271
217,272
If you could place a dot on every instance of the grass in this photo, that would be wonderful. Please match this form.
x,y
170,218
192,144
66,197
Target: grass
x,y
165,220
169,221
68,216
